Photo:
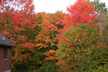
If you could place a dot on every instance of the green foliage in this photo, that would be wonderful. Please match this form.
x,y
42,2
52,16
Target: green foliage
x,y
36,60
20,67
48,67
96,61
83,60
99,6
82,36
61,51
84,40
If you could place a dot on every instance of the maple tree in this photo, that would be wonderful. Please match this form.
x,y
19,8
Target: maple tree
x,y
82,12
17,13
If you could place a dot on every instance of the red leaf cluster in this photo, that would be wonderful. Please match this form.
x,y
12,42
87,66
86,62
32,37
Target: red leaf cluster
x,y
17,19
27,45
22,20
50,26
82,12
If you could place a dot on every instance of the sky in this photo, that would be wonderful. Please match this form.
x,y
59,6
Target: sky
x,y
52,6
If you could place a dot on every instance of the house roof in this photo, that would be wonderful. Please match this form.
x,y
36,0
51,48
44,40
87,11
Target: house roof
x,y
5,42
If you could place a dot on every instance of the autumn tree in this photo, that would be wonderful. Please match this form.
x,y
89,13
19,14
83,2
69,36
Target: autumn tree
x,y
79,37
82,11
16,14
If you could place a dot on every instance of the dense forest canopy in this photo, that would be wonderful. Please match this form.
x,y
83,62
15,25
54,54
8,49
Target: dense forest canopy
x,y
76,41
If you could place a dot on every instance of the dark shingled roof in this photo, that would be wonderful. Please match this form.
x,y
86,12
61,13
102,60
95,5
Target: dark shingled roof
x,y
5,42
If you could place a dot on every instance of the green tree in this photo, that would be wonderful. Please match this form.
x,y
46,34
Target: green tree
x,y
100,7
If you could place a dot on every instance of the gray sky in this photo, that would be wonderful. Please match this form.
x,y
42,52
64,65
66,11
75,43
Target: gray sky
x,y
52,6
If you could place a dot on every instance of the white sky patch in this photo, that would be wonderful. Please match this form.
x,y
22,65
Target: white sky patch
x,y
105,1
51,6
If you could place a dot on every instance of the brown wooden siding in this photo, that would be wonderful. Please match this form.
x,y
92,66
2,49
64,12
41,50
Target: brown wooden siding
x,y
4,62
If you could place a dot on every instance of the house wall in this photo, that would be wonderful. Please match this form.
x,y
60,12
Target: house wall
x,y
4,62
1,60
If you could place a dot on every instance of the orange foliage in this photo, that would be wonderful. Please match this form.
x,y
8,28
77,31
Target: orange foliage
x,y
27,45
42,40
